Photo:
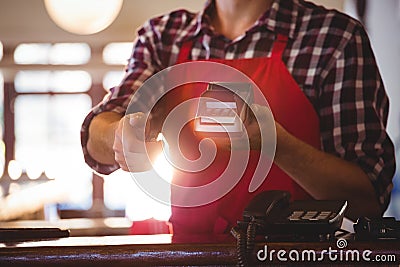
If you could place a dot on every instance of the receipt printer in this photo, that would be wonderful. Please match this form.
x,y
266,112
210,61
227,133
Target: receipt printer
x,y
223,108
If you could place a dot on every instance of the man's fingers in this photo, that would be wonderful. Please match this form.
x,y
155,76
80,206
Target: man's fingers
x,y
137,119
140,122
260,112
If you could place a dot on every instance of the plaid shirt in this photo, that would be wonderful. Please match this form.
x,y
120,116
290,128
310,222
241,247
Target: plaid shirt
x,y
328,54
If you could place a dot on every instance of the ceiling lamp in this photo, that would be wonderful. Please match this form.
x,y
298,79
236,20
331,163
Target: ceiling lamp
x,y
83,16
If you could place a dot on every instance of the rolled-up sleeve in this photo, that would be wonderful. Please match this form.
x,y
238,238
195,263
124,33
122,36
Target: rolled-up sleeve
x,y
141,65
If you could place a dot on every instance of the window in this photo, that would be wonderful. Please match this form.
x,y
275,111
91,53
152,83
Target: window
x,y
69,54
32,53
57,54
52,81
47,97
45,107
112,78
2,146
47,142
1,51
117,53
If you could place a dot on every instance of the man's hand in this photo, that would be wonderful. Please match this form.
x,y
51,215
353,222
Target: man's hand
x,y
260,129
131,151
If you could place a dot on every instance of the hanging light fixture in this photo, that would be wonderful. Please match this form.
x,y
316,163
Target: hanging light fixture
x,y
83,16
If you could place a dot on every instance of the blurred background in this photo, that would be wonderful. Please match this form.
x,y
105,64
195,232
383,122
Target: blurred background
x,y
57,60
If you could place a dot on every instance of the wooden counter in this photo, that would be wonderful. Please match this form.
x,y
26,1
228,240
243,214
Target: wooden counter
x,y
167,250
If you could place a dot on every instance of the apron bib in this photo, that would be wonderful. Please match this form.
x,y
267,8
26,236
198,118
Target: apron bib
x,y
290,108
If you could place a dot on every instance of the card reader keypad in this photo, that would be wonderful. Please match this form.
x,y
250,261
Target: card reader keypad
x,y
300,215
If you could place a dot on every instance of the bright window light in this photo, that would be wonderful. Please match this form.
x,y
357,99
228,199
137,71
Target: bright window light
x,y
140,206
47,128
117,53
2,157
70,81
57,54
34,171
14,169
14,188
163,167
32,53
1,100
1,50
1,87
2,145
118,187
52,81
112,78
121,191
69,54
32,81
47,140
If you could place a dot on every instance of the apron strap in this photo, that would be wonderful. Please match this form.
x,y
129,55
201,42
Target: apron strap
x,y
185,51
279,45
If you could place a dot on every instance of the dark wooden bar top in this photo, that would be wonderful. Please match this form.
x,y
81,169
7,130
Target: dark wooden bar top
x,y
168,250
146,250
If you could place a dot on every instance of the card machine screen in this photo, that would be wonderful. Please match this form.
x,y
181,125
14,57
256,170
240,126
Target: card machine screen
x,y
222,108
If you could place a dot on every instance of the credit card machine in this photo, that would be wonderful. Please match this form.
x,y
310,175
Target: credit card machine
x,y
273,217
223,108
302,219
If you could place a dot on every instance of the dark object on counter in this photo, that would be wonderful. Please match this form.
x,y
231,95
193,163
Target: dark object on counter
x,y
379,228
24,234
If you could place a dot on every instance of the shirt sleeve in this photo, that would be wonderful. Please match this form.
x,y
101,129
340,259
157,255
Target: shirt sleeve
x,y
353,122
142,64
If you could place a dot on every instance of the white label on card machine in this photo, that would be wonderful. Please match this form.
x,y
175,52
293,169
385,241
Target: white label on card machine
x,y
218,104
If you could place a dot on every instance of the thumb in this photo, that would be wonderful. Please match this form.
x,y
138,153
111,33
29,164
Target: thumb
x,y
138,122
260,112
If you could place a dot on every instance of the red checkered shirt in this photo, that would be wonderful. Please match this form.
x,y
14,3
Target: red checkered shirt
x,y
328,54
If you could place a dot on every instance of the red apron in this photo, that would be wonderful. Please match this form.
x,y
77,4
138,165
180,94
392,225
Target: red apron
x,y
290,108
